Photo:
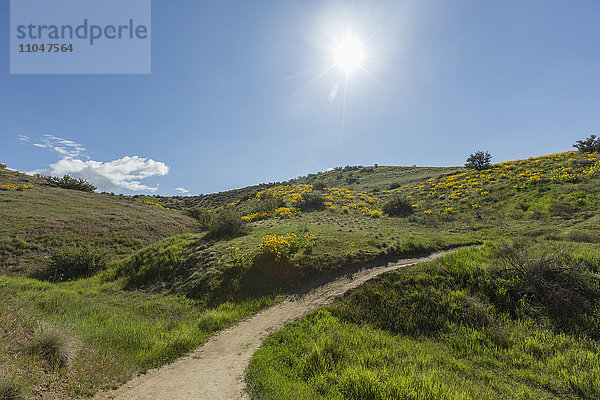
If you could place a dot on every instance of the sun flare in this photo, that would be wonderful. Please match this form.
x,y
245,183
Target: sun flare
x,y
349,54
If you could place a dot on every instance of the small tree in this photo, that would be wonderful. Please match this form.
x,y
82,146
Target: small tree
x,y
589,145
479,161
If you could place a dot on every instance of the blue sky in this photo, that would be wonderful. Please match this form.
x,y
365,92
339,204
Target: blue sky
x,y
235,97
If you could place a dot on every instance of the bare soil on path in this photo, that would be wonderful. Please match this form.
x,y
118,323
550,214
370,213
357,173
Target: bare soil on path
x,y
215,370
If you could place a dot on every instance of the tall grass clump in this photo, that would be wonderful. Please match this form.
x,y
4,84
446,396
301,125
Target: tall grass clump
x,y
12,388
52,346
162,264
553,284
74,262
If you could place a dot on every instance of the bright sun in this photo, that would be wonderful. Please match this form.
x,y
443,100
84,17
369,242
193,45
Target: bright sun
x,y
349,54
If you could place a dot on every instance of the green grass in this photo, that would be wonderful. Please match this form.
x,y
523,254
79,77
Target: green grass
x,y
323,357
442,330
116,332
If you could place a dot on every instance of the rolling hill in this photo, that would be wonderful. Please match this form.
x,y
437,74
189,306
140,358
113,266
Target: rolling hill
x,y
176,270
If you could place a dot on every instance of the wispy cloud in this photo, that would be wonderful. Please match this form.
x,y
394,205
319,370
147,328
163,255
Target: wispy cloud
x,y
182,190
124,173
64,147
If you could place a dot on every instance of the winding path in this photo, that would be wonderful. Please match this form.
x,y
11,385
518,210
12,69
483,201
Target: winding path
x,y
215,370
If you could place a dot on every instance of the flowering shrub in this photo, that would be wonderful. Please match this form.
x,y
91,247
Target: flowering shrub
x,y
153,204
302,197
372,213
14,186
284,246
278,212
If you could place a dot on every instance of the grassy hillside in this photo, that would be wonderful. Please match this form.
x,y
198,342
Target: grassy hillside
x,y
166,281
38,219
167,284
358,178
518,320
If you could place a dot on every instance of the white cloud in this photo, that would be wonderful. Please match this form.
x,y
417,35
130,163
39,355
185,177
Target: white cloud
x,y
64,147
124,173
182,190
112,176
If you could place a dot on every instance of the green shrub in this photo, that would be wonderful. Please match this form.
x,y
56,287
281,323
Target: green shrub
x,y
319,185
73,262
227,224
68,182
2,166
479,161
397,206
202,215
589,145
51,346
560,208
268,203
311,202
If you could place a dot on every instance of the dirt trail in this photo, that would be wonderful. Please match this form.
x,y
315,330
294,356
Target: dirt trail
x,y
216,369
